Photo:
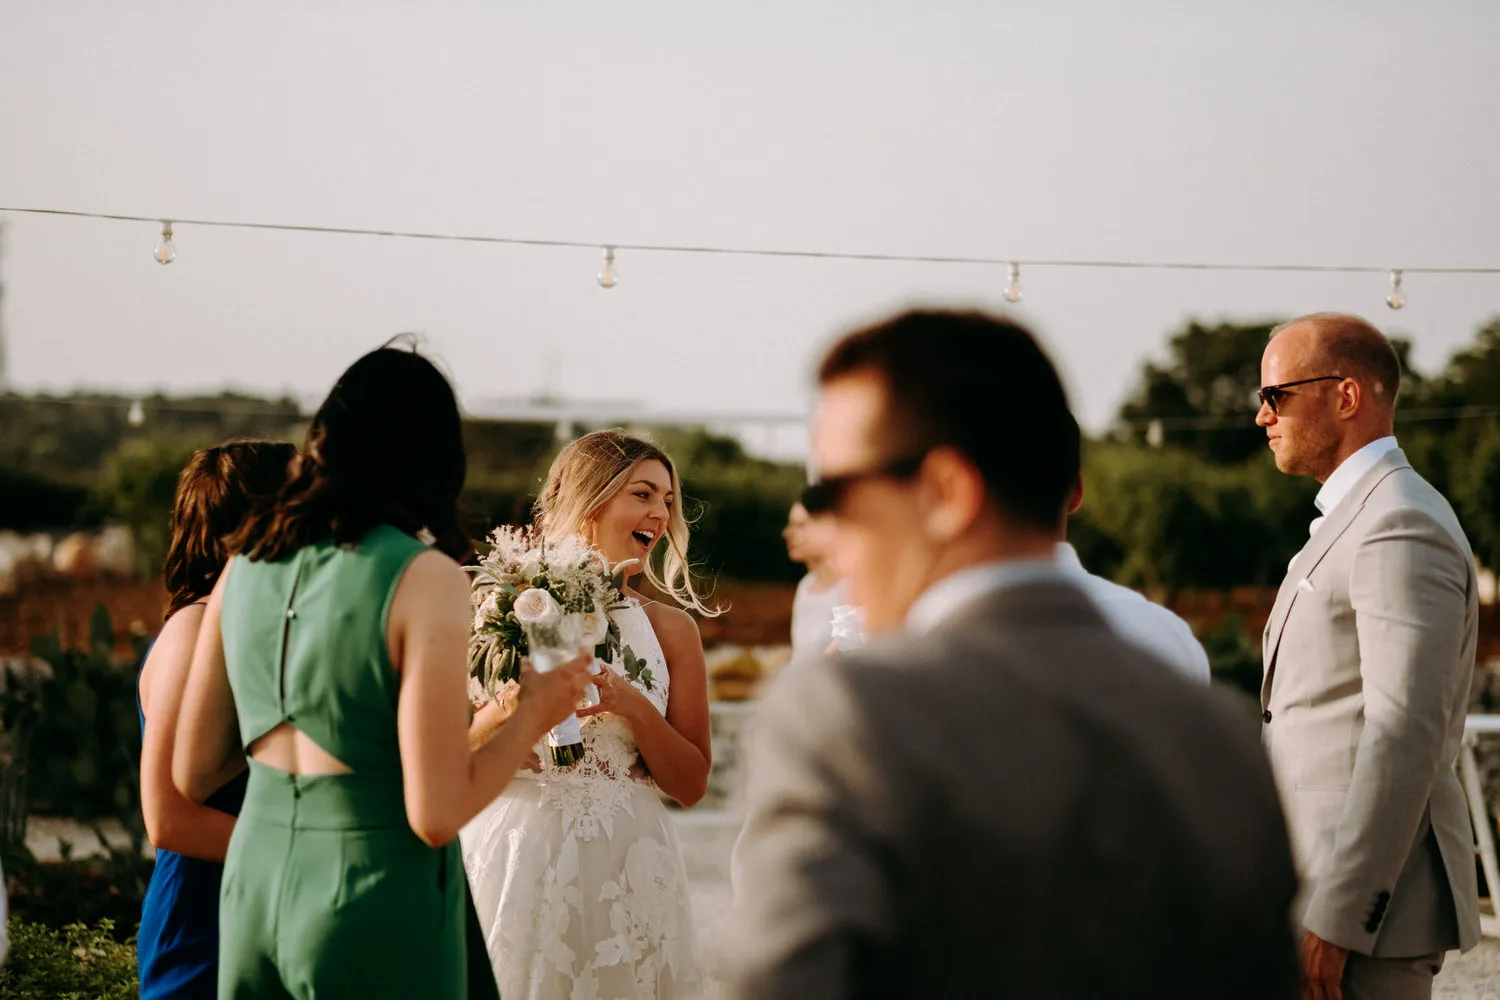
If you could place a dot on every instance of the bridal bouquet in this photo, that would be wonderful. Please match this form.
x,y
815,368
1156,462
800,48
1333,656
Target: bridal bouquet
x,y
554,597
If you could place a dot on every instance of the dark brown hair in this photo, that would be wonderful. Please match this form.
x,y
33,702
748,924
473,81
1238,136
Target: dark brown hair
x,y
215,493
386,447
980,385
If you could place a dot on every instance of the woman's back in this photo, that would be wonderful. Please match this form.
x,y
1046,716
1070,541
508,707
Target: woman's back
x,y
305,648
305,645
333,651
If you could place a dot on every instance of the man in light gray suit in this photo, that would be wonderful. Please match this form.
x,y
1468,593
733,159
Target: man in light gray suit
x,y
1000,796
1369,653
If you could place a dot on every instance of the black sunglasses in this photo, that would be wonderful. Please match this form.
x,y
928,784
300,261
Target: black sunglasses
x,y
1272,395
826,494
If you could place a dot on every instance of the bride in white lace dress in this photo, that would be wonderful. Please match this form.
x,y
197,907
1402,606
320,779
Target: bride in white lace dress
x,y
576,873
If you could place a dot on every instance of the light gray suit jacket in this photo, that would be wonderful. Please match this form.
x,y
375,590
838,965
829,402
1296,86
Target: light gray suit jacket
x,y
1019,803
1369,654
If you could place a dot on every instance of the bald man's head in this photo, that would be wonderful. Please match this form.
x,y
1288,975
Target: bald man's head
x,y
1335,379
1340,344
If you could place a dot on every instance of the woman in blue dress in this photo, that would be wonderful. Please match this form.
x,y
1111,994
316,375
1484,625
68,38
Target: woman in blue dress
x,y
178,944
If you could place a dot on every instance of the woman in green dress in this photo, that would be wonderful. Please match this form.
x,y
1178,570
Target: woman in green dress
x,y
333,656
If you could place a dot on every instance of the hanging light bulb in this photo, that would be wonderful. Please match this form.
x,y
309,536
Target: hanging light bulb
x,y
607,277
137,413
165,251
1013,290
1395,300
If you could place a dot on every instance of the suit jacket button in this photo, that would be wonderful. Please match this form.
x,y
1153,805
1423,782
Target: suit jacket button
x,y
1265,716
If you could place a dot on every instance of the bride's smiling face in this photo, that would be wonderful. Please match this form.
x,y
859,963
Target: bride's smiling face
x,y
631,522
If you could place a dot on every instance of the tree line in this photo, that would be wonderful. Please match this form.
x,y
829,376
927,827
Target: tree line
x,y
1184,493
1181,494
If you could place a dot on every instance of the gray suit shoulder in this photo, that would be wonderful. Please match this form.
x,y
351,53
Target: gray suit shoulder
x,y
1405,494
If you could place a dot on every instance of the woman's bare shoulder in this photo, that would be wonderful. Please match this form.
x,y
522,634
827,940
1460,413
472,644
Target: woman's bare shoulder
x,y
178,631
435,571
675,628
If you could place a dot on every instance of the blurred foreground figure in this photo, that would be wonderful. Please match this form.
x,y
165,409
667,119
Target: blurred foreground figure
x,y
1000,796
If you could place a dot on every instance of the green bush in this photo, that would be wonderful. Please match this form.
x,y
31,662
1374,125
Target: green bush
x,y
1234,656
31,503
737,534
85,755
79,759
74,963
138,485
1163,518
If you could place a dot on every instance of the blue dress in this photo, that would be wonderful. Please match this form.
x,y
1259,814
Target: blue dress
x,y
177,949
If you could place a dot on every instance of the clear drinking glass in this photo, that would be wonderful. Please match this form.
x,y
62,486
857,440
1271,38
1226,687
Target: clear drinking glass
x,y
552,644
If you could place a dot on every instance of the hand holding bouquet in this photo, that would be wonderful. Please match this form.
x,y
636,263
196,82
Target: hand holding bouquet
x,y
544,601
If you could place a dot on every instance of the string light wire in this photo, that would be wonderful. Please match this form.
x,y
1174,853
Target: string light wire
x,y
594,245
1012,264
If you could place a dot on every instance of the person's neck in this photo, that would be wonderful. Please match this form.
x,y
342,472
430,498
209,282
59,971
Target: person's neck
x,y
1006,546
823,576
1353,445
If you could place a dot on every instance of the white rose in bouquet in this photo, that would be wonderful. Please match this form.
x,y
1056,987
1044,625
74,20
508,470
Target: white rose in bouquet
x,y
593,626
537,607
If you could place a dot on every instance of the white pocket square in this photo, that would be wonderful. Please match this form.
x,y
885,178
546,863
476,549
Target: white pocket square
x,y
1306,585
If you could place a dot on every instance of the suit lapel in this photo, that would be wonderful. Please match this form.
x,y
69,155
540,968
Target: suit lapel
x,y
1274,626
1329,532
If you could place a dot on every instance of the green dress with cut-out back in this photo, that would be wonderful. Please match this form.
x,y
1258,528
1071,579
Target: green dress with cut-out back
x,y
327,892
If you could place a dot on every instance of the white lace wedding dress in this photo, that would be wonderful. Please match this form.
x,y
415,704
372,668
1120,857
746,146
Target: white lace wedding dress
x,y
577,874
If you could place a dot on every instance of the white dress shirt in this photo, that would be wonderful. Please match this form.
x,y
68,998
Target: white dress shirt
x,y
1152,627
1346,475
812,617
1137,620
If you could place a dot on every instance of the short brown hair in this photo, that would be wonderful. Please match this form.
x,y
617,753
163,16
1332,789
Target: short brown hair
x,y
1351,346
948,377
215,493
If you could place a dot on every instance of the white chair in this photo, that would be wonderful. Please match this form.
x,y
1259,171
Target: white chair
x,y
1476,726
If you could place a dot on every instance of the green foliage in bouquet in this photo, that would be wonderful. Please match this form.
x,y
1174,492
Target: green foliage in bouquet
x,y
636,669
577,577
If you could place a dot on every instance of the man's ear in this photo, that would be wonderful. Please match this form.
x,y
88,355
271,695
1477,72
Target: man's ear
x,y
1076,500
1351,396
955,494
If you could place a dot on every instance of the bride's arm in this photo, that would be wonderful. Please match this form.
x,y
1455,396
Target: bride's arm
x,y
675,747
490,716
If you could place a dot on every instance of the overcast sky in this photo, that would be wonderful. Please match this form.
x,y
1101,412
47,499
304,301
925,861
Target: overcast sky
x,y
1320,133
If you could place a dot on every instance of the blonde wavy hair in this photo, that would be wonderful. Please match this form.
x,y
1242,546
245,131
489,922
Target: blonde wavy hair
x,y
587,474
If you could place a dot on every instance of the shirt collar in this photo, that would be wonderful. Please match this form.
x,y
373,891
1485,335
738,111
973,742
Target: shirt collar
x,y
1346,475
1066,558
954,592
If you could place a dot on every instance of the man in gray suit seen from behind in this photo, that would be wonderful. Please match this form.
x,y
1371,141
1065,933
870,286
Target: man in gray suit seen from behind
x,y
1000,796
1369,654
